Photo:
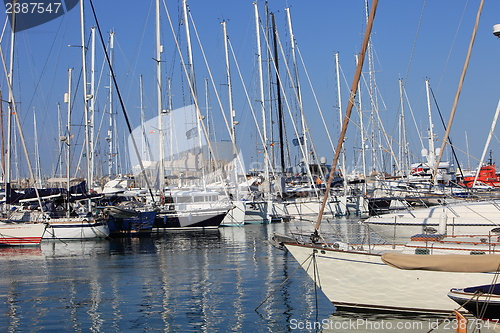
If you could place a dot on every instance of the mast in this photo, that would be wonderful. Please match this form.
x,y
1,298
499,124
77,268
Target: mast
x,y
296,86
60,132
111,137
232,114
363,138
7,175
143,119
281,120
404,147
261,90
91,100
68,142
431,154
459,88
37,154
161,142
350,105
189,48
170,118
86,97
342,167
194,95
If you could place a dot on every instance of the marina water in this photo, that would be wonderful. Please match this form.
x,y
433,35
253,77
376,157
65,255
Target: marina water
x,y
180,281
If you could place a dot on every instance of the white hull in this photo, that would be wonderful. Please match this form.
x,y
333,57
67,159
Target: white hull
x,y
465,218
363,281
21,233
246,212
76,228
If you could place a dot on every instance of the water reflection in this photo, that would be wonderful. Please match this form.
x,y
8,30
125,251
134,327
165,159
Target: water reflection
x,y
203,281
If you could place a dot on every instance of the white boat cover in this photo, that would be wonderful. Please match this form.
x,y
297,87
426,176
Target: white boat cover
x,y
477,263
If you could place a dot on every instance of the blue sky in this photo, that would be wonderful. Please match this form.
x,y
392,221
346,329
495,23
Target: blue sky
x,y
412,40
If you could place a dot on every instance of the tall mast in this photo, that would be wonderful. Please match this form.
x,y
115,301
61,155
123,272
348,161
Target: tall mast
x,y
229,87
343,166
61,134
91,101
159,100
362,127
231,112
296,86
143,119
88,151
270,91
111,137
37,155
403,155
352,96
170,118
68,141
7,176
189,48
278,93
261,90
431,154
192,87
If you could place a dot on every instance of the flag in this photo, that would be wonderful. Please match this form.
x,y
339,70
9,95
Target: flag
x,y
298,141
418,171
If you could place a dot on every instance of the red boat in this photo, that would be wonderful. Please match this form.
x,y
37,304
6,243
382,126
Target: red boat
x,y
487,175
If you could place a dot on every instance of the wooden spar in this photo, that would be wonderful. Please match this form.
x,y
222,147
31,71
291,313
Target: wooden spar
x,y
350,104
457,95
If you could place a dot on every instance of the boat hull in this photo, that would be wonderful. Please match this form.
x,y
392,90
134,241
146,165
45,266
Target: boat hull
x,y
15,234
76,229
483,306
141,224
197,219
357,280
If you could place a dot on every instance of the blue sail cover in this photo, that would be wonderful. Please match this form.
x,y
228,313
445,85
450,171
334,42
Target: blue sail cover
x,y
14,197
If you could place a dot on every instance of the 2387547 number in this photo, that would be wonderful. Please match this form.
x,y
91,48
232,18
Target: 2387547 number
x,y
32,8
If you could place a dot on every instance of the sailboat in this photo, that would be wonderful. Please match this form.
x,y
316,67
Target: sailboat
x,y
11,232
359,275
65,213
179,155
482,301
14,233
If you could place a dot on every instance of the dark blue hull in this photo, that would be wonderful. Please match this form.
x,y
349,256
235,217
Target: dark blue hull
x,y
172,221
142,224
482,301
